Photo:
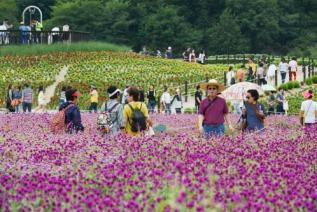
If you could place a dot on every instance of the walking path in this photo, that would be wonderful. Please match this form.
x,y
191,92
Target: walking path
x,y
50,90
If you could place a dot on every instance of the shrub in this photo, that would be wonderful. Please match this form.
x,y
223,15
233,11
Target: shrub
x,y
314,79
296,84
309,81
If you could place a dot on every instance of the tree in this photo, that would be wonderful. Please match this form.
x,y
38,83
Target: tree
x,y
8,10
225,36
44,5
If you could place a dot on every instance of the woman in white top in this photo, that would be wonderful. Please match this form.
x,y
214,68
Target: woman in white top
x,y
166,101
271,74
41,99
308,111
283,68
230,76
192,57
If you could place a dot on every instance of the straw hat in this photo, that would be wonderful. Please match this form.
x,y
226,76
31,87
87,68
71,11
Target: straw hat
x,y
212,82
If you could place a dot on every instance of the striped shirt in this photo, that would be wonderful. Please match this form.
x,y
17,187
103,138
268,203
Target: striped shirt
x,y
27,95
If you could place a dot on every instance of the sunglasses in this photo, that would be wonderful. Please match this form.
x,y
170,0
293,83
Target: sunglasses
x,y
212,89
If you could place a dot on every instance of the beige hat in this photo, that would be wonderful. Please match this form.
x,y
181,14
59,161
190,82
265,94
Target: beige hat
x,y
213,82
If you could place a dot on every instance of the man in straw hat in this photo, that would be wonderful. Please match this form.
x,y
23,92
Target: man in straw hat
x,y
213,110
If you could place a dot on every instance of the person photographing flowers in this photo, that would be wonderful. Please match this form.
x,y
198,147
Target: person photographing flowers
x,y
213,111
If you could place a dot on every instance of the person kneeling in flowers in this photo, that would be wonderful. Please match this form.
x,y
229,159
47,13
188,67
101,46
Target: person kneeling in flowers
x,y
135,114
213,111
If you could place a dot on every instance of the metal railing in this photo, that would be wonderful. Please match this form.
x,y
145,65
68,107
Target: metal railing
x,y
17,37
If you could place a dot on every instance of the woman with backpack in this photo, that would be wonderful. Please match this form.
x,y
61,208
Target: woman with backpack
x,y
112,120
73,122
135,114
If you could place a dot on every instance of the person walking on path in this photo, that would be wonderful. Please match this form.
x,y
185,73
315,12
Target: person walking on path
x,y
198,97
151,99
135,114
166,101
283,67
41,99
293,68
93,99
251,70
72,112
169,53
27,98
271,74
202,57
308,111
115,109
213,111
178,102
254,111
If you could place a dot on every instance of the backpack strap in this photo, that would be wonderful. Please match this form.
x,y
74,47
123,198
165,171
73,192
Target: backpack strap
x,y
111,109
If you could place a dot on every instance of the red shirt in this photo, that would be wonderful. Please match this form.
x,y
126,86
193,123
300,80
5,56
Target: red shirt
x,y
215,113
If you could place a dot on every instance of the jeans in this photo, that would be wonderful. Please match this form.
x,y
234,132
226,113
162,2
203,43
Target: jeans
x,y
283,75
18,108
151,106
178,110
93,106
27,106
168,108
210,130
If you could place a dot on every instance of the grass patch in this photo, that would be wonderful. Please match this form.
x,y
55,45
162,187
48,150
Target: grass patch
x,y
60,47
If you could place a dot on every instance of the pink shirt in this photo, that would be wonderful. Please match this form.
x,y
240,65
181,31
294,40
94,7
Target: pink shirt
x,y
215,113
293,65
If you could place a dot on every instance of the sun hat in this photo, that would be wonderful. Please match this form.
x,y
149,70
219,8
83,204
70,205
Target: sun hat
x,y
307,94
113,90
212,82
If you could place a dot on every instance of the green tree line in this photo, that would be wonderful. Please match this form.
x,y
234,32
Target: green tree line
x,y
217,26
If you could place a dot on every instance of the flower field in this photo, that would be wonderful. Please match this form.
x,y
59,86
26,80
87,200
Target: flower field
x,y
174,171
102,69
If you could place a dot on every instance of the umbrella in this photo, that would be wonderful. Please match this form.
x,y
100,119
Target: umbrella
x,y
268,87
238,91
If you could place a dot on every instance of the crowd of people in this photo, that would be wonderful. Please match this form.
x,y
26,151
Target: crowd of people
x,y
127,111
32,33
264,72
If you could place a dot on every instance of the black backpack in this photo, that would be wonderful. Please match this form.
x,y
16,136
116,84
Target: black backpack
x,y
138,120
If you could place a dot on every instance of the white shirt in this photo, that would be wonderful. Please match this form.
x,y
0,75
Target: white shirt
x,y
41,98
55,29
271,71
230,75
293,65
166,98
283,67
66,28
309,107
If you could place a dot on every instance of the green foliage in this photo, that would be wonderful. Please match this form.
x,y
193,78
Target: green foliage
x,y
7,8
309,81
46,49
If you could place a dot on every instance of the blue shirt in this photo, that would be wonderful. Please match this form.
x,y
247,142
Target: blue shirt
x,y
253,121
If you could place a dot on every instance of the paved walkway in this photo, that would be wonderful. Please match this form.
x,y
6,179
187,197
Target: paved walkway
x,y
50,90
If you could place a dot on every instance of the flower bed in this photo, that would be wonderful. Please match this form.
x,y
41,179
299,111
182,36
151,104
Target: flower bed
x,y
173,171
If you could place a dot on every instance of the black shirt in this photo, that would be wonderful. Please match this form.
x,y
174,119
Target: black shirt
x,y
151,96
198,95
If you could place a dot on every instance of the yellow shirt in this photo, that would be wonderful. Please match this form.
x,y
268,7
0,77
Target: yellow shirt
x,y
127,113
94,96
253,66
